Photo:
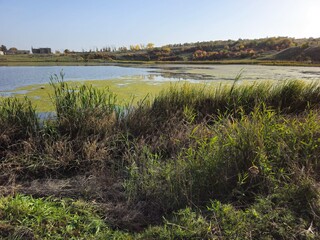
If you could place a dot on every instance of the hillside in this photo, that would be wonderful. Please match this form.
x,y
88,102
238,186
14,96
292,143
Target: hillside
x,y
299,54
274,50
280,48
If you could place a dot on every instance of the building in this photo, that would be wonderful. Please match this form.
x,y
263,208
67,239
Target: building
x,y
1,53
41,50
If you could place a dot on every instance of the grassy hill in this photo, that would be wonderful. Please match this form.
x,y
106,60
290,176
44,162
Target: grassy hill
x,y
311,54
257,49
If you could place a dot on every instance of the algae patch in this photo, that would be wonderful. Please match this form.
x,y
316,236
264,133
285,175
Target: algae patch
x,y
127,89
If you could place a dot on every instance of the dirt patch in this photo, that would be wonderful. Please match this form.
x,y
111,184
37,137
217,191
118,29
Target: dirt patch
x,y
85,187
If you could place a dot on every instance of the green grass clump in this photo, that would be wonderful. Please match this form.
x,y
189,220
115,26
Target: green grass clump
x,y
18,116
24,217
80,109
18,123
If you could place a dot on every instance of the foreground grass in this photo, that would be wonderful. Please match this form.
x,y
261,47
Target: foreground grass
x,y
225,162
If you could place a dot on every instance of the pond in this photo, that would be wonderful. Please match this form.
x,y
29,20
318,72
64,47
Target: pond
x,y
132,83
247,72
16,77
13,78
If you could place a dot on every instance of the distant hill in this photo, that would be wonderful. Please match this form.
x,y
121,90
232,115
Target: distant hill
x,y
274,48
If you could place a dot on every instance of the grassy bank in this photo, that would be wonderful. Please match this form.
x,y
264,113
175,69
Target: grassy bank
x,y
224,162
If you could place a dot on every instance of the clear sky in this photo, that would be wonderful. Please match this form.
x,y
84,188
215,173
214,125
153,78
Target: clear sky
x,y
87,24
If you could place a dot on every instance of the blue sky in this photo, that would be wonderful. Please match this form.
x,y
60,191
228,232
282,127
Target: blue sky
x,y
87,24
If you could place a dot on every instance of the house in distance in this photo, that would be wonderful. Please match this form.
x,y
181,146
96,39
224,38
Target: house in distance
x,y
41,50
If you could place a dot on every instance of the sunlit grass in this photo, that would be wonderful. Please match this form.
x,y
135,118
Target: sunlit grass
x,y
25,217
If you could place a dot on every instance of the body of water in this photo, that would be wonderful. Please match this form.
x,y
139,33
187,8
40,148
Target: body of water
x,y
15,77
248,72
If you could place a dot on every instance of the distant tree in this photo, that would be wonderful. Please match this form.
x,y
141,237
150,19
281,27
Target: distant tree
x,y
142,46
150,46
135,47
241,46
66,51
106,49
3,48
13,49
166,50
199,54
122,49
113,48
285,43
305,45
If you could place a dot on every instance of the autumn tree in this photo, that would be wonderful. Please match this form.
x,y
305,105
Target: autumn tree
x,y
13,49
166,50
135,47
150,46
199,54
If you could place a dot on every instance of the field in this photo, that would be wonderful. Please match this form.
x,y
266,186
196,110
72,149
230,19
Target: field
x,y
236,161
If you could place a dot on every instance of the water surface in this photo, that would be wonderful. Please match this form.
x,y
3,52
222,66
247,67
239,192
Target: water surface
x,y
15,77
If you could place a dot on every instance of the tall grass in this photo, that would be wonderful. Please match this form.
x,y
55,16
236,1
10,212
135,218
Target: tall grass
x,y
245,153
18,124
81,110
235,160
19,117
286,97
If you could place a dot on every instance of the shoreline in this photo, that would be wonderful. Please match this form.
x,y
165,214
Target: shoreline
x,y
146,63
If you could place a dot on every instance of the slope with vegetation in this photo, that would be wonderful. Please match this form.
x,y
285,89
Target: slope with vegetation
x,y
299,50
273,50
230,162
